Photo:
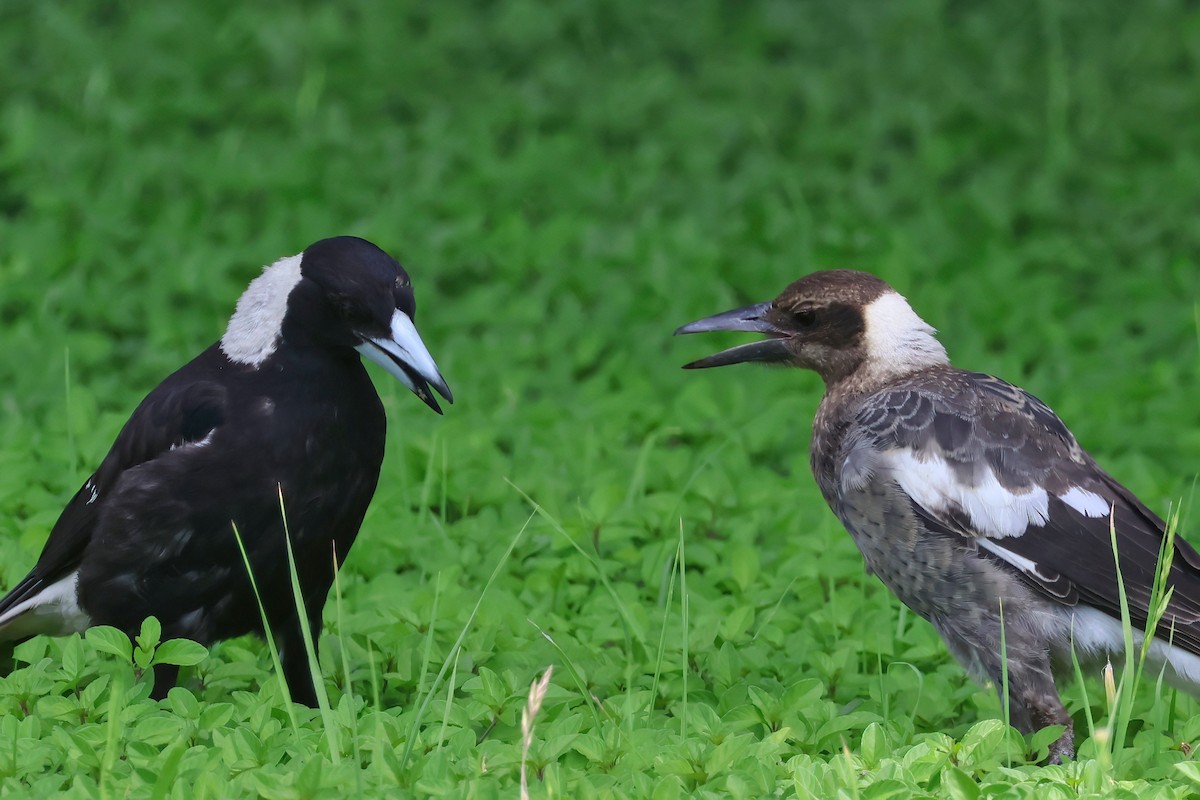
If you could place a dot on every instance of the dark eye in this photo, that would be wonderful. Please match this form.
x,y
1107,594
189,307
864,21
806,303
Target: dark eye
x,y
805,318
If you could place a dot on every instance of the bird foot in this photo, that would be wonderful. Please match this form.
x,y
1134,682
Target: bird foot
x,y
1063,747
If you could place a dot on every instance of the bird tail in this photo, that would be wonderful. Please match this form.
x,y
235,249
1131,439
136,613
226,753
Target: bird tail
x,y
10,604
40,606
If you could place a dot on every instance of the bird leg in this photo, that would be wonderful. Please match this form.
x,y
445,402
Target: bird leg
x,y
1033,700
165,678
300,680
1033,704
8,660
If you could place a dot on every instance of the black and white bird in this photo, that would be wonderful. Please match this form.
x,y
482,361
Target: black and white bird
x,y
281,404
968,497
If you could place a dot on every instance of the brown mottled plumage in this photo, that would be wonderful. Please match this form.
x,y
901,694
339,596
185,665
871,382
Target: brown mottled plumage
x,y
967,495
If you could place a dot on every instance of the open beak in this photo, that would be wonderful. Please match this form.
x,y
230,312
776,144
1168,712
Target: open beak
x,y
750,318
405,356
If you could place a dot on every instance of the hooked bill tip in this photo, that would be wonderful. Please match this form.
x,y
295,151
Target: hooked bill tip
x,y
427,397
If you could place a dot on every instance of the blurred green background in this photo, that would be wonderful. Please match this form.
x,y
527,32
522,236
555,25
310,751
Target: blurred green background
x,y
568,182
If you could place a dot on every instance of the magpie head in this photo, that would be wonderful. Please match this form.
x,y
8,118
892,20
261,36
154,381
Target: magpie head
x,y
836,322
342,292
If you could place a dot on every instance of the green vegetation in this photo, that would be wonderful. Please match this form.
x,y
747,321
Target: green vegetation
x,y
567,182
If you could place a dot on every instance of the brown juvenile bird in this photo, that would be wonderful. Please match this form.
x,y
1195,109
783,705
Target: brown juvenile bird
x,y
968,495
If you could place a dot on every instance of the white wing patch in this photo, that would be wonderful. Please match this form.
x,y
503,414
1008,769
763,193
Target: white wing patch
x,y
53,611
1087,503
992,509
255,326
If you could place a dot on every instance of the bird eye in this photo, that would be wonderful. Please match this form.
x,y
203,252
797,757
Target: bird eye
x,y
805,318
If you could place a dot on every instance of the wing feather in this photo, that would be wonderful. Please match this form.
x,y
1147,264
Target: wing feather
x,y
177,413
988,462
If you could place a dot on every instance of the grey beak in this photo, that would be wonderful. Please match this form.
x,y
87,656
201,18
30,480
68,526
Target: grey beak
x,y
750,318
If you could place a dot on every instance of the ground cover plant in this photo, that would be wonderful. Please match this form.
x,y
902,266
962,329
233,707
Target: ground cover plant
x,y
566,183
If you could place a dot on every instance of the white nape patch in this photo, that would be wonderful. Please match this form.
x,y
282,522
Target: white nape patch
x,y
1087,503
897,340
91,487
1097,635
992,509
54,611
254,328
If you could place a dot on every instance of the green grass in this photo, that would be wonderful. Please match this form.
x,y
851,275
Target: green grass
x,y
567,183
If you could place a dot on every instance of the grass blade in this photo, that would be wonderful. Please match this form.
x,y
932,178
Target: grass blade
x,y
576,676
426,655
347,687
310,649
271,646
462,635
662,636
683,613
632,628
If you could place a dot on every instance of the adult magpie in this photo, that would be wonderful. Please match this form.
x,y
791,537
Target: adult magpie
x,y
968,497
280,405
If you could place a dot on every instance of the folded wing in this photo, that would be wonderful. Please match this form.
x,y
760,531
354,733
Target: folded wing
x,y
987,462
176,414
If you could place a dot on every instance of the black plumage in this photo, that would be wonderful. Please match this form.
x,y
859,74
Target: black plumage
x,y
969,498
282,405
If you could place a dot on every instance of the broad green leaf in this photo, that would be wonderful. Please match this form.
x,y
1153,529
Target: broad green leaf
x,y
737,622
150,635
181,652
1190,770
886,790
107,639
744,564
874,744
959,784
72,658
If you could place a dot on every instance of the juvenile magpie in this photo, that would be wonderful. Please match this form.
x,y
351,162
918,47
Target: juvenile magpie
x,y
968,497
280,405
